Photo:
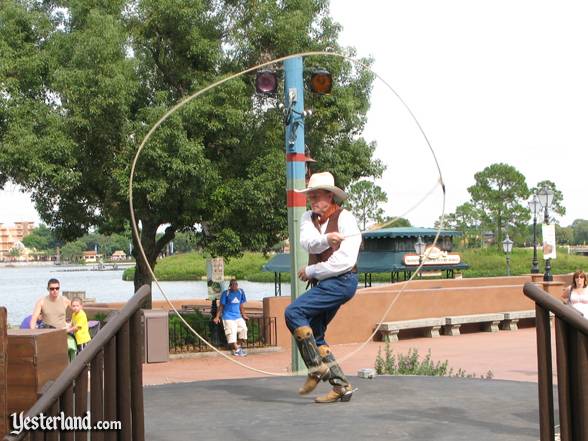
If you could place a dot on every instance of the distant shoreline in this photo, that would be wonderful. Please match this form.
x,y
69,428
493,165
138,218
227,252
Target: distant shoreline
x,y
24,264
123,265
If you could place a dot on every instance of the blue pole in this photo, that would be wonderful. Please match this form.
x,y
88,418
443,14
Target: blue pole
x,y
295,173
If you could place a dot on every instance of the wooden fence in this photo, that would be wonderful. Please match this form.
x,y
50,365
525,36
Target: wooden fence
x,y
105,379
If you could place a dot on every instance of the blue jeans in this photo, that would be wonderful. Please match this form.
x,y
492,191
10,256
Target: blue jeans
x,y
317,306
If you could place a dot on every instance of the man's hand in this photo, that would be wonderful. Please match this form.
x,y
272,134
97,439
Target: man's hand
x,y
334,239
216,320
302,273
245,317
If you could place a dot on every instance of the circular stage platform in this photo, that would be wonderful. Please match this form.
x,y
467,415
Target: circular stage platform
x,y
384,408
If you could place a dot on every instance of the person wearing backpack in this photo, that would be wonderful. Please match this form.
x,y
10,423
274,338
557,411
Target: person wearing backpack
x,y
233,317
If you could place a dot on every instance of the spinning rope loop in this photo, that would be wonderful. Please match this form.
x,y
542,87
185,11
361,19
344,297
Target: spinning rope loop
x,y
185,101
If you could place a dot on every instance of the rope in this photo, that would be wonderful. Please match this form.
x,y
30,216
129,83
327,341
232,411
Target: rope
x,y
185,101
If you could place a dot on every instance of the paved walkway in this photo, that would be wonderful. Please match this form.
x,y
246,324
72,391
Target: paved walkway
x,y
385,408
507,355
238,404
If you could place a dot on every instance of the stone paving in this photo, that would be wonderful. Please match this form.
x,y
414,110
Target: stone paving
x,y
508,355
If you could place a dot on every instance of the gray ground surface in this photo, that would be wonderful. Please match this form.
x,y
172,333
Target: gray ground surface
x,y
386,408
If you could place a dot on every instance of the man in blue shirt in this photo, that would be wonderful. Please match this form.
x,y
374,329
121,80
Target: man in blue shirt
x,y
231,311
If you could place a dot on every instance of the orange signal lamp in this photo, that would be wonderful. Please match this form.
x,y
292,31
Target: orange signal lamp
x,y
321,82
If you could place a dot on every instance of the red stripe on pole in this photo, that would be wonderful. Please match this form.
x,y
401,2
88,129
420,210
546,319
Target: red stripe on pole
x,y
296,157
296,199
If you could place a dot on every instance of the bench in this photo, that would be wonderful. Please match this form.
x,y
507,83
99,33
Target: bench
x,y
390,330
511,319
490,321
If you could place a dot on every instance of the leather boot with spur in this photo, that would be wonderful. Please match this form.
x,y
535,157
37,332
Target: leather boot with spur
x,y
342,389
318,370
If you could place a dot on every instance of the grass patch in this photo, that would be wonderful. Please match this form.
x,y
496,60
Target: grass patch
x,y
485,262
192,266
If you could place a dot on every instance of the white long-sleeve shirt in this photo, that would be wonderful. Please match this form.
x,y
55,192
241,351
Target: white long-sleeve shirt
x,y
315,242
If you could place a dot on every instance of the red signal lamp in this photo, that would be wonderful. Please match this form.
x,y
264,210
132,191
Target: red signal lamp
x,y
266,82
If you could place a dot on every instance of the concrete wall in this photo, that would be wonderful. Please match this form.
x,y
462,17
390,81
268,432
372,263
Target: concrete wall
x,y
357,319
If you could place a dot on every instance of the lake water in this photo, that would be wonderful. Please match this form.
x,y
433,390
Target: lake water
x,y
23,285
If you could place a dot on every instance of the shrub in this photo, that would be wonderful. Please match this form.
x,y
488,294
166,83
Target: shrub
x,y
411,364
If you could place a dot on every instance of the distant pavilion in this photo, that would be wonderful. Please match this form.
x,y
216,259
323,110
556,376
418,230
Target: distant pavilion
x,y
392,250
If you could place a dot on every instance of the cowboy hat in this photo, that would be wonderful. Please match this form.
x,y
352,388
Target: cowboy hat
x,y
324,181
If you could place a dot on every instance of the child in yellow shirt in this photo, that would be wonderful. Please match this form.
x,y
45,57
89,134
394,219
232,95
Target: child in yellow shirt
x,y
79,324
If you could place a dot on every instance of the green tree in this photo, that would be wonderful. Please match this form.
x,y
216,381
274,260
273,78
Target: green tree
x,y
364,199
395,222
564,235
498,195
557,204
580,227
40,239
185,242
466,219
82,82
73,250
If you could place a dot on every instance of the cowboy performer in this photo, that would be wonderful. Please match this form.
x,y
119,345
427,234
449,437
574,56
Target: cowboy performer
x,y
332,238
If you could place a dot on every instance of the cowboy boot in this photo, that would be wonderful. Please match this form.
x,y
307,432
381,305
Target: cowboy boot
x,y
342,389
317,369
338,393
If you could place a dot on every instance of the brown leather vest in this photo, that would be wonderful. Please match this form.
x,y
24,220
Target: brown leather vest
x,y
332,227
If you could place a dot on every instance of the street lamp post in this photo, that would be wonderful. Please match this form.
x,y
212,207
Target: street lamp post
x,y
420,247
507,247
533,205
545,196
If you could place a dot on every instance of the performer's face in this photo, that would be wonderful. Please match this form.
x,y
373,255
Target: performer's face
x,y
320,201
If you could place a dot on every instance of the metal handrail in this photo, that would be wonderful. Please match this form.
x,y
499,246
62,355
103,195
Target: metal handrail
x,y
571,341
102,342
555,305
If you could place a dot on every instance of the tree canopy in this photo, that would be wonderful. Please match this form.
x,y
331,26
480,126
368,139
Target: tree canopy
x,y
498,196
82,82
364,201
499,204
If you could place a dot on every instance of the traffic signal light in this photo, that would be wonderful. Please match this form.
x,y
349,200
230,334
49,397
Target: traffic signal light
x,y
266,82
321,82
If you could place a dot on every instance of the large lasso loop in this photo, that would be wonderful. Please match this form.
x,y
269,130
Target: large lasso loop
x,y
185,101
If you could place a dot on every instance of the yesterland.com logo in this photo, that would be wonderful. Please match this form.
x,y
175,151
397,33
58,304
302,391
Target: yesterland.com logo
x,y
58,422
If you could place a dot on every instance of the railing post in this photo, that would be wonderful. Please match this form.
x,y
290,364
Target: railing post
x,y
53,435
579,387
546,420
3,372
563,378
97,393
137,378
81,401
110,386
67,407
123,387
